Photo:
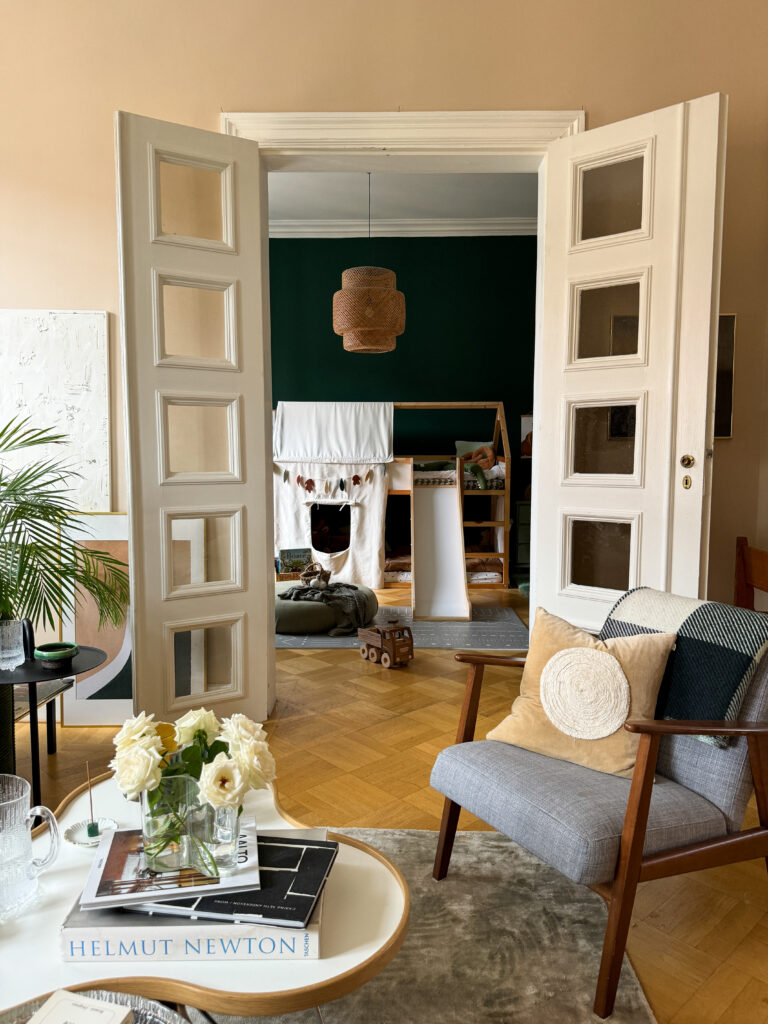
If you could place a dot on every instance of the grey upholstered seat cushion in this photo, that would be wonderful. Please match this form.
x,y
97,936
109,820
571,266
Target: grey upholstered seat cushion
x,y
568,816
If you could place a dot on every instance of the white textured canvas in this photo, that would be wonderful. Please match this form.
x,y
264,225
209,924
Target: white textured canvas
x,y
55,370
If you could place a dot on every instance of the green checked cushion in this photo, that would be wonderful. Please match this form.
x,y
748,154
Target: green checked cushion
x,y
717,651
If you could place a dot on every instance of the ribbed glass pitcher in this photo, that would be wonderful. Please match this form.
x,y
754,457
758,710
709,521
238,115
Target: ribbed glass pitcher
x,y
18,868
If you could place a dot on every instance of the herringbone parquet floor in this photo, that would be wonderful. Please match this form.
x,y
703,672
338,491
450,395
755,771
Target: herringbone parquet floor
x,y
354,745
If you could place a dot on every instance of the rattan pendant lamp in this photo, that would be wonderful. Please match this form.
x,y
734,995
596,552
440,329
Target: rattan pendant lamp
x,y
369,311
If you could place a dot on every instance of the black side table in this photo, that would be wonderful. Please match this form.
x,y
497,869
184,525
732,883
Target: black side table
x,y
30,673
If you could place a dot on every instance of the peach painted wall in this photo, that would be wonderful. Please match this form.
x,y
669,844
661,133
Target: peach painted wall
x,y
65,67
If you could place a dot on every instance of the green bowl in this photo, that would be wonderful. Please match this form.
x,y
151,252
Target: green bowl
x,y
56,654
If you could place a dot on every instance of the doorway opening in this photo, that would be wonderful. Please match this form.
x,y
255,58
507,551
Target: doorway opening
x,y
463,248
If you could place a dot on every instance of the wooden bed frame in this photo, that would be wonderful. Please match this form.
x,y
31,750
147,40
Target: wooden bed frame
x,y
500,436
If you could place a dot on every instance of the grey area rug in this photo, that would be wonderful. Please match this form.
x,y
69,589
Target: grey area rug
x,y
503,938
491,629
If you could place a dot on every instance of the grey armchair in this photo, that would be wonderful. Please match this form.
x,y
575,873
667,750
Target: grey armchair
x,y
611,833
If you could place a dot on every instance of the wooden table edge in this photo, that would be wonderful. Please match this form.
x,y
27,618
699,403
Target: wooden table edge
x,y
260,1003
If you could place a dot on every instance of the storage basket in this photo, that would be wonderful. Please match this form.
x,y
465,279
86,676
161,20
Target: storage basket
x,y
315,571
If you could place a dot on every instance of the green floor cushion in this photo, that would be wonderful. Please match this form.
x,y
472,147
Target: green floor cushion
x,y
311,616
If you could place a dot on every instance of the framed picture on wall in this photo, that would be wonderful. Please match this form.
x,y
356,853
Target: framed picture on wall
x,y
726,344
624,334
621,422
526,436
103,696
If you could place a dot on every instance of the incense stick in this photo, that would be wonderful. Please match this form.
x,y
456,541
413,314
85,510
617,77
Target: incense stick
x,y
90,793
92,828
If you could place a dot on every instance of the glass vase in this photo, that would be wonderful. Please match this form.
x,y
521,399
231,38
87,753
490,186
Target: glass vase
x,y
224,835
180,831
11,644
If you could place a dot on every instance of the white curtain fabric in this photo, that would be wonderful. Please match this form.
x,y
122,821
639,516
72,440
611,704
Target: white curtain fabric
x,y
333,432
363,561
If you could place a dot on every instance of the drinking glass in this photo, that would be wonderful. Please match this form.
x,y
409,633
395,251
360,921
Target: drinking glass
x,y
11,644
18,868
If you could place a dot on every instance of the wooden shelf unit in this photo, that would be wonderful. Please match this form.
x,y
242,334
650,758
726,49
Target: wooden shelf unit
x,y
500,439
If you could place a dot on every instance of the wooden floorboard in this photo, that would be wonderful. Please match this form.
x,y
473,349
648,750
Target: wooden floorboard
x,y
354,745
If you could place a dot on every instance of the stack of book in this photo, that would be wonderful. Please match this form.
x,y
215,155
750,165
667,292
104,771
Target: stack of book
x,y
270,909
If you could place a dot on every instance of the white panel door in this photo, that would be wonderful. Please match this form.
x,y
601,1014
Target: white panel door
x,y
198,399
628,299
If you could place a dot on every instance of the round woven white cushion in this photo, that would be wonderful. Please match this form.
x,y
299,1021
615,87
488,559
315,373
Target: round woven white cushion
x,y
585,693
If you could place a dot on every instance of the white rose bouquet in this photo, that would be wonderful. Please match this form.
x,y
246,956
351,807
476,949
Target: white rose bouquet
x,y
154,760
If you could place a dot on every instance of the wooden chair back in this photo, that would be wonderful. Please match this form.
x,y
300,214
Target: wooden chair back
x,y
751,573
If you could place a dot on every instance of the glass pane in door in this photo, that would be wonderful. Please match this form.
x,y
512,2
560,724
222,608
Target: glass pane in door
x,y
609,319
612,198
198,437
194,321
201,550
202,660
191,201
604,439
600,553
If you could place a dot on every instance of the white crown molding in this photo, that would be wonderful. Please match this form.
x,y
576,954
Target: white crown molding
x,y
495,132
422,227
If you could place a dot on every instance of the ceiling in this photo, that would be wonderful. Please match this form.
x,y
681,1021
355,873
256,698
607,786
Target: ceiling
x,y
324,204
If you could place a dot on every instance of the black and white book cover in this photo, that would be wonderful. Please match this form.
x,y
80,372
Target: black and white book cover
x,y
120,876
294,865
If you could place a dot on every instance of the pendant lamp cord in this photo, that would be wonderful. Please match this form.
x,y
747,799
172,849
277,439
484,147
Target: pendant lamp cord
x,y
370,241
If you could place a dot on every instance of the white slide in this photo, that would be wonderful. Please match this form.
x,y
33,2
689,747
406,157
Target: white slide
x,y
439,580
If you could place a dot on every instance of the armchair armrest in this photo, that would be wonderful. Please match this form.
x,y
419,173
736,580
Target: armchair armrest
x,y
477,663
472,658
685,727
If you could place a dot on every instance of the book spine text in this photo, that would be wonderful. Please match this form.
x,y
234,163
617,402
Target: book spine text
x,y
101,945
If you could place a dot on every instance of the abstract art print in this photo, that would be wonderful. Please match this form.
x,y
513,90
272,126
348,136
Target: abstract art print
x,y
56,371
103,696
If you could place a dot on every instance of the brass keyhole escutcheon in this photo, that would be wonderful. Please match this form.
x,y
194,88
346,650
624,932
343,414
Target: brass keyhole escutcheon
x,y
687,482
687,461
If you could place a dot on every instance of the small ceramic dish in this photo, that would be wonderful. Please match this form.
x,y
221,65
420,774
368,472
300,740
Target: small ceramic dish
x,y
56,655
78,834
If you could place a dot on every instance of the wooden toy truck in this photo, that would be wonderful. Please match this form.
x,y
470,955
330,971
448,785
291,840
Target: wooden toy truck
x,y
391,645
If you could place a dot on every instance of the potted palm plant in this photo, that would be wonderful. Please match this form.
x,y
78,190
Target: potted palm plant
x,y
44,569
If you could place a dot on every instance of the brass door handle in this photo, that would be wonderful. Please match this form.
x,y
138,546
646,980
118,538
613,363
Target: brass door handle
x,y
687,461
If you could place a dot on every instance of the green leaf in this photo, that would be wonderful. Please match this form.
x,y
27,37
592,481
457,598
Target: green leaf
x,y
45,572
217,747
192,757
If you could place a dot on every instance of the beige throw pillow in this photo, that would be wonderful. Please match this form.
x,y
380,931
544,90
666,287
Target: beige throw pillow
x,y
577,692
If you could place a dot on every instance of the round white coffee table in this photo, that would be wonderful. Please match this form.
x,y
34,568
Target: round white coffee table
x,y
365,920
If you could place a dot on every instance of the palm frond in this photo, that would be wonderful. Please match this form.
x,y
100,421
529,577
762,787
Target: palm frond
x,y
16,434
44,569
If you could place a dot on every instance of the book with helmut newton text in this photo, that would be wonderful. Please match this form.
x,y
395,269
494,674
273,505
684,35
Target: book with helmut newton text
x,y
118,935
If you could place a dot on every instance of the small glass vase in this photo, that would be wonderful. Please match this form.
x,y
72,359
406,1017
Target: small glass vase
x,y
218,829
180,831
11,644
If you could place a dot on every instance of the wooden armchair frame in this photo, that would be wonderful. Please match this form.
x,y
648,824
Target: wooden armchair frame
x,y
632,867
751,573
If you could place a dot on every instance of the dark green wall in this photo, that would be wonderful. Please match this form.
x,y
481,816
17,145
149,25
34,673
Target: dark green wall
x,y
469,332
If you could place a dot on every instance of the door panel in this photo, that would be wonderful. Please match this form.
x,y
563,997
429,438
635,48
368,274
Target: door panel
x,y
626,328
194,271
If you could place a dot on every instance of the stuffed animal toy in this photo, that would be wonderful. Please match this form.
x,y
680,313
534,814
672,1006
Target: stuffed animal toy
x,y
484,457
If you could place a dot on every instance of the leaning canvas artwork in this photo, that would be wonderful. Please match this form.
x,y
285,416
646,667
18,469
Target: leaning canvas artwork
x,y
103,696
55,367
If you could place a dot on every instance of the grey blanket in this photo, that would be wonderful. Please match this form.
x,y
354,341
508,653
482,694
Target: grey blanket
x,y
345,599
